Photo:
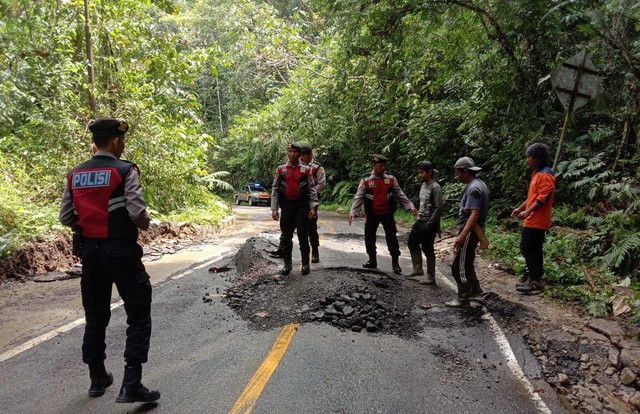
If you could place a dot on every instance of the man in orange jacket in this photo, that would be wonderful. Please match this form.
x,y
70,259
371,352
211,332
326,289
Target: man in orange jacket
x,y
536,213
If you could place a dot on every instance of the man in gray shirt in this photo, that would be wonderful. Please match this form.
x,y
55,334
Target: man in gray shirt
x,y
474,208
423,232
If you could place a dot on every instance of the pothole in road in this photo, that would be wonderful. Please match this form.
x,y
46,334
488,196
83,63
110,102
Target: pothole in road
x,y
349,298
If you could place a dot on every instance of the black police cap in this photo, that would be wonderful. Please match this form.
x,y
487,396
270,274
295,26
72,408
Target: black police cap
x,y
375,158
294,146
108,127
305,148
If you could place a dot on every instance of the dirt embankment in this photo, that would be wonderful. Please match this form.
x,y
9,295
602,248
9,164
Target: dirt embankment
x,y
54,253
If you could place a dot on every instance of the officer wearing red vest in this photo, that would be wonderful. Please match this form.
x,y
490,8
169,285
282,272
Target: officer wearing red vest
x,y
319,177
378,191
103,199
294,192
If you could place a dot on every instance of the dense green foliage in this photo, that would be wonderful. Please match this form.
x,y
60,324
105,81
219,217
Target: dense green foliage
x,y
213,86
145,71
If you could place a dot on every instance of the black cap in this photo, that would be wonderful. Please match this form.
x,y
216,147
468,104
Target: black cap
x,y
427,166
108,127
375,158
538,151
306,148
294,146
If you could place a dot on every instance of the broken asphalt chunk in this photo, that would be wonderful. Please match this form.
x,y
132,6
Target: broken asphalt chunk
x,y
219,269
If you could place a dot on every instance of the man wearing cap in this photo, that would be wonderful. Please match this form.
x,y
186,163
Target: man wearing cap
x,y
294,192
319,178
423,232
536,213
378,191
474,208
103,198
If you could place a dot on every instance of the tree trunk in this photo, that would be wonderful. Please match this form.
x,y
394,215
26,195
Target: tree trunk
x,y
92,81
623,142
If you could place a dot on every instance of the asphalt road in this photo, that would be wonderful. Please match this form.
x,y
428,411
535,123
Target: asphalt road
x,y
203,355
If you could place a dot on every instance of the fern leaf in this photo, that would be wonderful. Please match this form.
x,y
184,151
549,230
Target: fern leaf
x,y
622,250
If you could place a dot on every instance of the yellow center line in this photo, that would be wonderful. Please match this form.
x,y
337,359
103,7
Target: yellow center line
x,y
254,388
331,229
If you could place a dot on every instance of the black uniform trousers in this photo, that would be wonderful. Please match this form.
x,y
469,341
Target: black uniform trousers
x,y
294,215
423,235
105,262
463,268
314,237
531,241
371,227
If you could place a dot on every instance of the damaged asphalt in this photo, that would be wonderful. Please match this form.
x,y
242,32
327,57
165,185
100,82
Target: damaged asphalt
x,y
368,341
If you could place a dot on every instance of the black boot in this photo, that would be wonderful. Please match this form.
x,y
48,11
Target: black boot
x,y
132,389
277,253
305,269
100,379
395,265
372,263
315,256
287,267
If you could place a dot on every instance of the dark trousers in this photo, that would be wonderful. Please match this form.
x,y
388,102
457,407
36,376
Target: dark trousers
x,y
103,264
314,237
390,230
531,241
463,269
424,236
295,217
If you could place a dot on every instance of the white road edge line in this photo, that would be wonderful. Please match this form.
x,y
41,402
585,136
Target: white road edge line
x,y
79,322
505,349
49,335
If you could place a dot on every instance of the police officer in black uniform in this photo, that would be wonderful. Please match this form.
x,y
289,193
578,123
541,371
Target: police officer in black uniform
x,y
294,192
380,192
103,198
319,177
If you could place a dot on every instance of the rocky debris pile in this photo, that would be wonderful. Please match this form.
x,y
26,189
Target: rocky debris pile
x,y
359,311
595,368
161,232
358,302
243,295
